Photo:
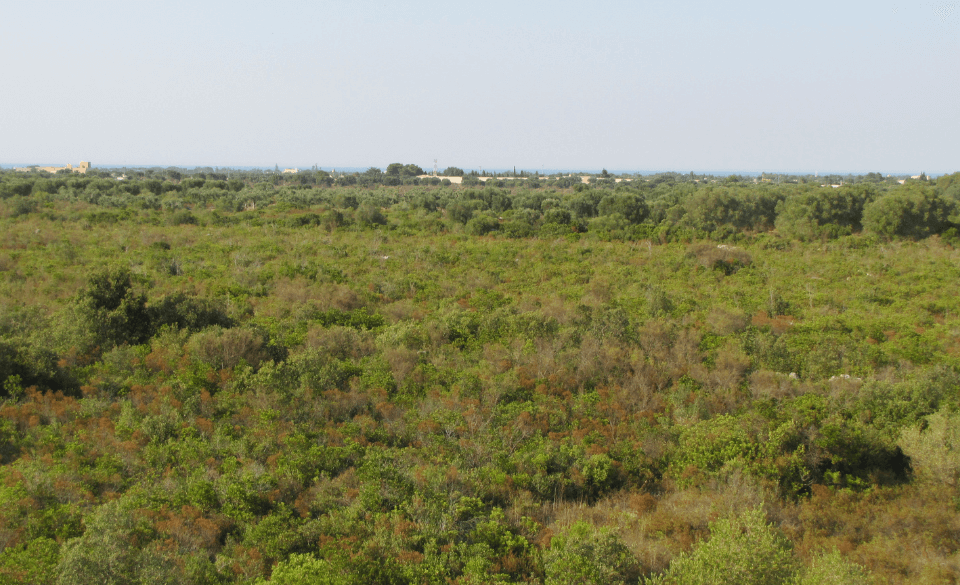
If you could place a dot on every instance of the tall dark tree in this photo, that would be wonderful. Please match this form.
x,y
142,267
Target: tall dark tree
x,y
113,310
411,170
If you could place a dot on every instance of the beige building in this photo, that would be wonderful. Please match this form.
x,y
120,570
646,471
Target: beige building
x,y
82,168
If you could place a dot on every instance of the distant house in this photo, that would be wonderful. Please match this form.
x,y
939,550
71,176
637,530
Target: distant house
x,y
82,168
291,171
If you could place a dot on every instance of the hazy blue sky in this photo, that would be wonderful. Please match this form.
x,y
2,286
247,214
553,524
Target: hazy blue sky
x,y
627,85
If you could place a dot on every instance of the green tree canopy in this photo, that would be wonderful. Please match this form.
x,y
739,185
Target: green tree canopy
x,y
741,551
113,310
912,212
411,170
632,206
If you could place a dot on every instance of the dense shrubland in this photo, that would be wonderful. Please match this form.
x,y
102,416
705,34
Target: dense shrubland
x,y
216,380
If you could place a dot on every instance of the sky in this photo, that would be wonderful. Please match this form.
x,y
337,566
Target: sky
x,y
699,86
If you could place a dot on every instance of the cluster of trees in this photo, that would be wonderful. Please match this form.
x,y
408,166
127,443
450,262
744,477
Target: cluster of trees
x,y
670,383
664,210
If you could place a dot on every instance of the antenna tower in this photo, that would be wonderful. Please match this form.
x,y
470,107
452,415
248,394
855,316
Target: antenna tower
x,y
434,167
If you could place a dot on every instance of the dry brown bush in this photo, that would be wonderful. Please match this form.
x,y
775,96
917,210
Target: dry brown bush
x,y
770,384
339,342
225,348
729,368
723,257
902,534
402,361
402,310
724,321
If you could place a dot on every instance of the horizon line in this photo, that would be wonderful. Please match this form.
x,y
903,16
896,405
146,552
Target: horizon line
x,y
541,170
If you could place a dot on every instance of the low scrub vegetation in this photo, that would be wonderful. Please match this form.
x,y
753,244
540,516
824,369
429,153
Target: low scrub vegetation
x,y
212,380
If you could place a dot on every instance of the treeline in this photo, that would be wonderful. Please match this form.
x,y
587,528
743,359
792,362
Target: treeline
x,y
665,211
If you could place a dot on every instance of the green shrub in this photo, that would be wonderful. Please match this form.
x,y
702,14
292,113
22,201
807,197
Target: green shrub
x,y
631,206
112,310
823,212
114,550
35,562
304,569
482,225
740,551
934,451
833,569
585,555
909,213
185,312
